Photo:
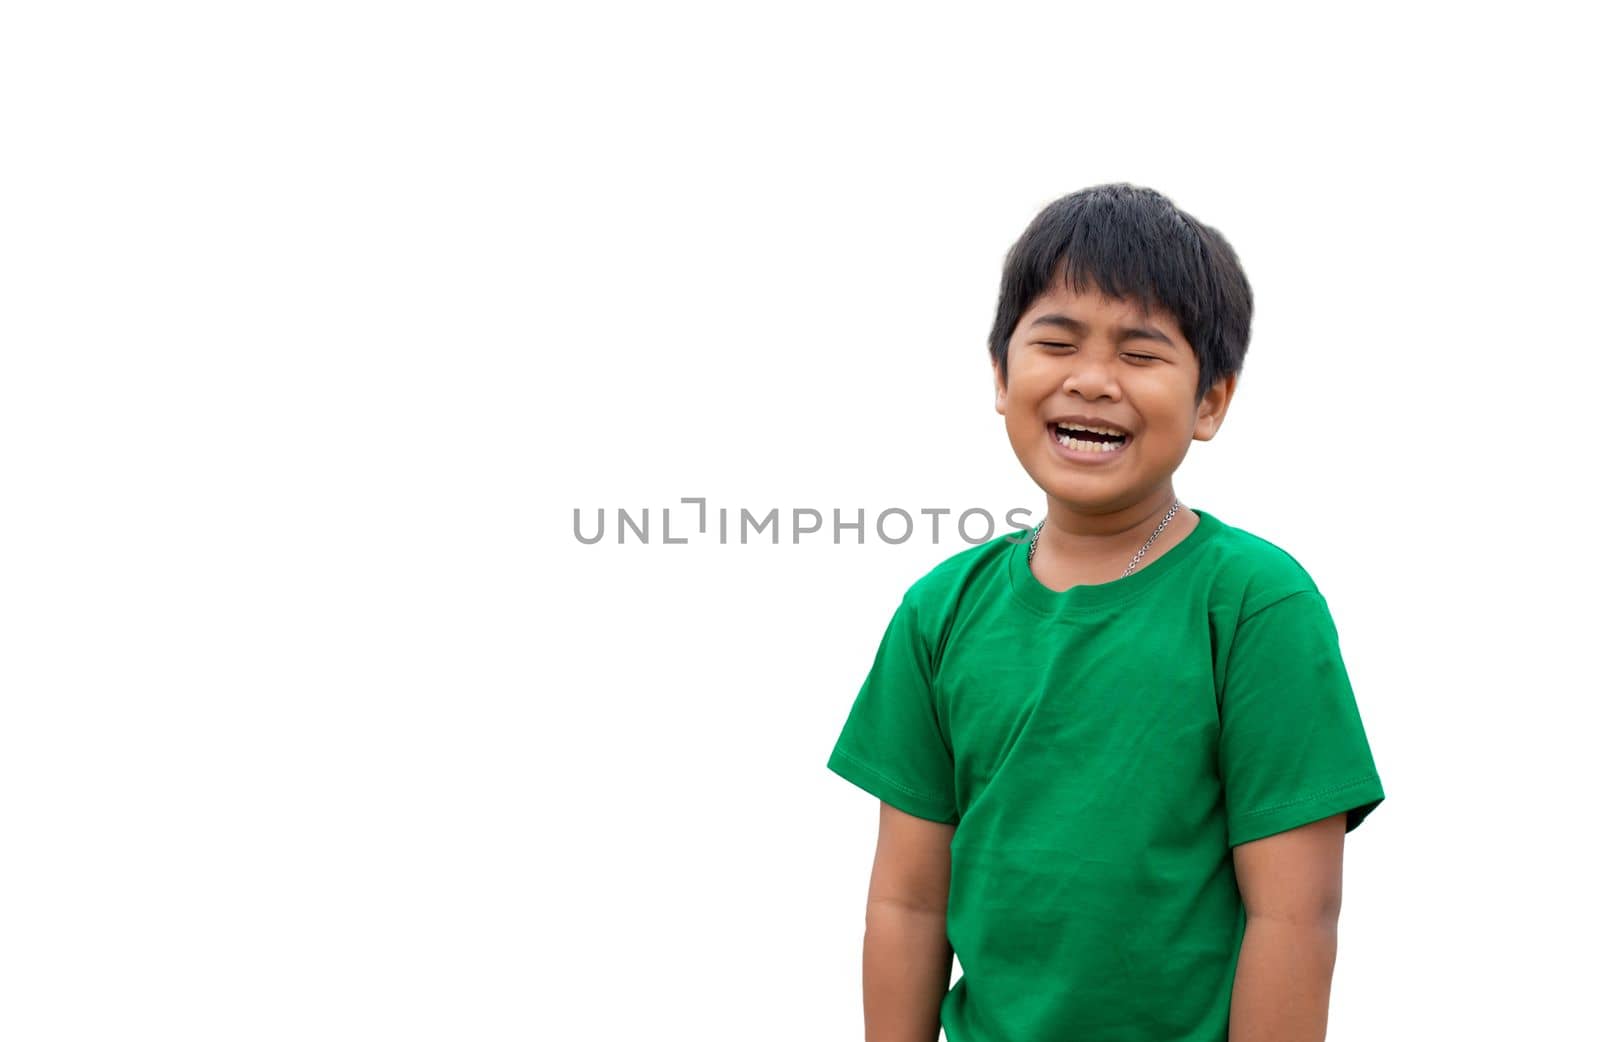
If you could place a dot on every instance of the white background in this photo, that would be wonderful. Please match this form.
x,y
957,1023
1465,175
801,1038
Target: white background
x,y
320,320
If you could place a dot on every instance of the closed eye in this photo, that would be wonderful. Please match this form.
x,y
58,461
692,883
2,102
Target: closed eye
x,y
1057,346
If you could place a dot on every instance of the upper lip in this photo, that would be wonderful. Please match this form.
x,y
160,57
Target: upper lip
x,y
1090,421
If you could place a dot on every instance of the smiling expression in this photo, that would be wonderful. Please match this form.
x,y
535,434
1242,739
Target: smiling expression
x,y
1087,360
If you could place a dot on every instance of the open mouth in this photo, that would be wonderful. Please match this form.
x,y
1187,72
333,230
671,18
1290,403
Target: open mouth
x,y
1081,439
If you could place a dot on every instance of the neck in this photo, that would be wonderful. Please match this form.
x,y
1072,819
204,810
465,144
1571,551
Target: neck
x,y
1076,535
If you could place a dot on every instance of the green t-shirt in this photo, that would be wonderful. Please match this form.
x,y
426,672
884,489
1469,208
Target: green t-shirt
x,y
1100,752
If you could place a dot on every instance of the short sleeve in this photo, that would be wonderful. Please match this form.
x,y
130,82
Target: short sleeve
x,y
1292,748
892,744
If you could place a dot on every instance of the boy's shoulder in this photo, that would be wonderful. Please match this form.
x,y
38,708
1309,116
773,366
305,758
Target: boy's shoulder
x,y
972,558
962,564
960,570
1256,569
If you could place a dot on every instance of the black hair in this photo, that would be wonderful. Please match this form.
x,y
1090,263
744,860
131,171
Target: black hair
x,y
1132,242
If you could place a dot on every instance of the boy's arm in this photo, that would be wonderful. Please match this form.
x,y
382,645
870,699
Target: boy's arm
x,y
1291,884
906,955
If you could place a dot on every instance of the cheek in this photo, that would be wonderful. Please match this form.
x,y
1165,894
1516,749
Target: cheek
x,y
1162,401
1022,427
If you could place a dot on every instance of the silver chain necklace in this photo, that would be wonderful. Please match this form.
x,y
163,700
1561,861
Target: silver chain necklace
x,y
1034,543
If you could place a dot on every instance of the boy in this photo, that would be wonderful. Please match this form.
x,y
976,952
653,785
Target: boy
x,y
1116,756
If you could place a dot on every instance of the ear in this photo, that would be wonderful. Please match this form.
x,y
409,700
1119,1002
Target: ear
x,y
1213,407
999,389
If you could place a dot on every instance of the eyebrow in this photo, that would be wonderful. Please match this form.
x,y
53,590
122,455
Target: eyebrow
x,y
1119,333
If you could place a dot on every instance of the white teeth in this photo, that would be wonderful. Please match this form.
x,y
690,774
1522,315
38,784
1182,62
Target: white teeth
x,y
1098,430
1089,446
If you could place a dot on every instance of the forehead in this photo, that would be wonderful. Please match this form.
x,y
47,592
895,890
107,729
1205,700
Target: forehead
x,y
1094,308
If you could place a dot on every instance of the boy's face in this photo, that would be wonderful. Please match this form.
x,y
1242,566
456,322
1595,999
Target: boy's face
x,y
1088,355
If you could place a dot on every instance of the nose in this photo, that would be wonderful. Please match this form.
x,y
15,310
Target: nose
x,y
1091,377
